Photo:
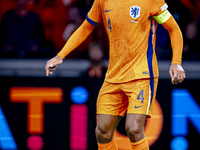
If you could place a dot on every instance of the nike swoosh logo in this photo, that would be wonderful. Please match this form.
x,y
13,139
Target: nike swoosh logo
x,y
138,106
108,10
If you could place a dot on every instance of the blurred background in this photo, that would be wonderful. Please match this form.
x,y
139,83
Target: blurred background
x,y
58,112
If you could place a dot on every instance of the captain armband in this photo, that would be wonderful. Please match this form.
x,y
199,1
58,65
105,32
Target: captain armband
x,y
162,18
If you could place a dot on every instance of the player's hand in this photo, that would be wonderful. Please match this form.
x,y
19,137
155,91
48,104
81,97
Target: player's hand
x,y
51,64
177,73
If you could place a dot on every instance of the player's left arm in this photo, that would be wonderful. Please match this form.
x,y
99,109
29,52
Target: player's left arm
x,y
176,71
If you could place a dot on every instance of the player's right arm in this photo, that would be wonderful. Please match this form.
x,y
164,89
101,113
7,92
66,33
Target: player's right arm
x,y
74,41
93,19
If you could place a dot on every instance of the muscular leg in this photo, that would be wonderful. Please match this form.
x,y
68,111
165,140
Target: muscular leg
x,y
135,127
135,130
106,124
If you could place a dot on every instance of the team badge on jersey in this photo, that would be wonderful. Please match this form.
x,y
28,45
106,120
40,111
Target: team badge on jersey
x,y
135,12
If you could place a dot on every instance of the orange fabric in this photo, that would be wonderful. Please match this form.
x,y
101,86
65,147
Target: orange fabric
x,y
140,145
128,25
176,39
108,146
133,97
131,32
77,38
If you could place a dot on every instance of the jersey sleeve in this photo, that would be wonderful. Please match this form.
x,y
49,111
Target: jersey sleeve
x,y
76,39
94,16
159,11
157,7
176,39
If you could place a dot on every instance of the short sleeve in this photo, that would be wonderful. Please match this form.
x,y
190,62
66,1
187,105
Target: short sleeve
x,y
94,16
157,7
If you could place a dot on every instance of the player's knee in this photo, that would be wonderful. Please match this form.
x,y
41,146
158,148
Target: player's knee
x,y
135,132
103,135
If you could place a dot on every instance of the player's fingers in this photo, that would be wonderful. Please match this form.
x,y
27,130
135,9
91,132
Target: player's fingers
x,y
52,69
175,74
171,75
179,75
51,64
182,76
49,67
47,72
175,77
46,68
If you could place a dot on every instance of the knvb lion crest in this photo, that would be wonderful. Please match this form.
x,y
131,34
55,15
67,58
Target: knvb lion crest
x,y
135,12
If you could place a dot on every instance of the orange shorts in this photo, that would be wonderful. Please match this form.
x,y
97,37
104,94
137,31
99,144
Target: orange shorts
x,y
135,97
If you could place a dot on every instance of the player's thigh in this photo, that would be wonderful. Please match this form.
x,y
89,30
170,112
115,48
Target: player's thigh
x,y
135,126
135,123
107,123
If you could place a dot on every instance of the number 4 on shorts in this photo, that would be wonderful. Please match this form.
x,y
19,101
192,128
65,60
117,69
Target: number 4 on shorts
x,y
109,26
141,96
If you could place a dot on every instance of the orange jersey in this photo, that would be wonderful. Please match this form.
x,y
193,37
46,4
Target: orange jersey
x,y
131,32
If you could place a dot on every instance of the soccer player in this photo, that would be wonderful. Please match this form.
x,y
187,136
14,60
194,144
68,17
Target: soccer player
x,y
131,80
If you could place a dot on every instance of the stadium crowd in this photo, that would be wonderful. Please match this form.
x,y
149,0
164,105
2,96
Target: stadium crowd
x,y
40,28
